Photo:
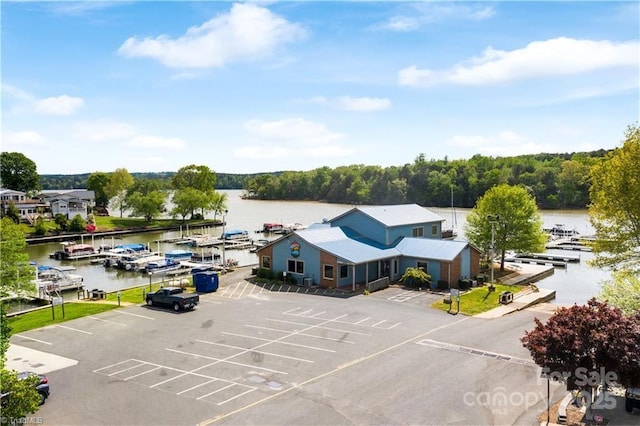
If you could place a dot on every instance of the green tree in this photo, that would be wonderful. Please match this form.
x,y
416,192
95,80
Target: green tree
x,y
77,224
187,200
219,203
117,188
23,398
13,213
622,291
98,182
16,276
614,212
18,172
198,177
510,214
147,205
62,221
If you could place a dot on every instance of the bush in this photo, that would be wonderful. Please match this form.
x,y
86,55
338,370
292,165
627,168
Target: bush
x,y
77,224
40,228
62,221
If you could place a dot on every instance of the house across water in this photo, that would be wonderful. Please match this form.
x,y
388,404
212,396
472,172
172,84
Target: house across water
x,y
366,244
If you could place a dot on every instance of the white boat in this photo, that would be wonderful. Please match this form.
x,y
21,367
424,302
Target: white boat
x,y
179,254
50,279
161,266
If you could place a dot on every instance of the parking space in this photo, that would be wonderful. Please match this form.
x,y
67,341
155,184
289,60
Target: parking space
x,y
251,346
401,295
246,365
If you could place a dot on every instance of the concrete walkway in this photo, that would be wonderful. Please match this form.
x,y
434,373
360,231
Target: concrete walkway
x,y
521,300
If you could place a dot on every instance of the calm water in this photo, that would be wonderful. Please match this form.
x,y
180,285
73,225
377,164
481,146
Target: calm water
x,y
576,284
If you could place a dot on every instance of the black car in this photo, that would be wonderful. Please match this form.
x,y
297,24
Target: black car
x,y
42,387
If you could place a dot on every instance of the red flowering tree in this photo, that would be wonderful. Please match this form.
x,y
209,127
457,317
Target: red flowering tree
x,y
587,347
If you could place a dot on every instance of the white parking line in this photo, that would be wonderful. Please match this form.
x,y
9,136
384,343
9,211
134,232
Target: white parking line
x,y
218,360
125,369
211,301
237,396
74,329
141,374
362,320
112,365
279,341
321,328
31,338
215,391
378,323
104,320
300,334
258,352
120,311
196,386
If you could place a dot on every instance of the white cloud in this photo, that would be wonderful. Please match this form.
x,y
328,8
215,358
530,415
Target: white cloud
x,y
60,105
350,103
103,130
504,144
16,93
291,138
25,138
363,104
423,14
148,141
245,33
554,57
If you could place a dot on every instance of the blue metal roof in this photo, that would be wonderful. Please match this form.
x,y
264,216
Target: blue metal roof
x,y
399,214
428,248
334,240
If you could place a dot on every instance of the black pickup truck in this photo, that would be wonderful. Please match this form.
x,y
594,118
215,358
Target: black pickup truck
x,y
173,296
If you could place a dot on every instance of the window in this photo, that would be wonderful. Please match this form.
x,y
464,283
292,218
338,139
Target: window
x,y
395,266
434,229
344,271
418,232
266,262
328,272
424,266
295,266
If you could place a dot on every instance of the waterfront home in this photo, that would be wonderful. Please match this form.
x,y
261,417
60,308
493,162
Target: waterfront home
x,y
368,244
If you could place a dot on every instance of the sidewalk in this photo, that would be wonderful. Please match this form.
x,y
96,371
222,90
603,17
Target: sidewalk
x,y
521,301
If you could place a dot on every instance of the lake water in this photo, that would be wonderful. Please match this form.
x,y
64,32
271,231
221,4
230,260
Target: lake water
x,y
575,284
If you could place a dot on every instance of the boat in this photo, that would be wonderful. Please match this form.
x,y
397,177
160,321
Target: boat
x,y
559,231
160,266
235,234
74,251
271,227
137,263
258,244
290,227
179,254
50,279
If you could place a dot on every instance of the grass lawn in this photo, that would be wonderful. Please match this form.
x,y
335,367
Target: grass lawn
x,y
477,300
43,317
137,294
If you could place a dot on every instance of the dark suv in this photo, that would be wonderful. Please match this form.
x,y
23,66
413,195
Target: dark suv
x,y
632,399
42,387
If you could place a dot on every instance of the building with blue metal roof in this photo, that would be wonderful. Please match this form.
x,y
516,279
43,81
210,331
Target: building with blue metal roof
x,y
366,244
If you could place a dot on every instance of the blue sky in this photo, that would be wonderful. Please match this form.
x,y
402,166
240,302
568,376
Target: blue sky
x,y
245,87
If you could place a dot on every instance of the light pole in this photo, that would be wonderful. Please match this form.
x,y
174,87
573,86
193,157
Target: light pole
x,y
224,260
493,219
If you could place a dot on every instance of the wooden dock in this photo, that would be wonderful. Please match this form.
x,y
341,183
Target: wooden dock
x,y
536,261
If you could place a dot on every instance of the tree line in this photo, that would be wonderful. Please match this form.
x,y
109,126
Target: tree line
x,y
555,180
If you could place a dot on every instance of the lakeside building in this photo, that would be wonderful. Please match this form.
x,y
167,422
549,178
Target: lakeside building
x,y
48,203
367,244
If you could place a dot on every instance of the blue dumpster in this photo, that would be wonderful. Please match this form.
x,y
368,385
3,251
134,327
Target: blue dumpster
x,y
206,282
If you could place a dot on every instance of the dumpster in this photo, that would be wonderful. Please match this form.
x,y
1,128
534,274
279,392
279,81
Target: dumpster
x,y
506,297
206,282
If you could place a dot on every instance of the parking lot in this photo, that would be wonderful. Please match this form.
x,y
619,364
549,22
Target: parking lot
x,y
250,355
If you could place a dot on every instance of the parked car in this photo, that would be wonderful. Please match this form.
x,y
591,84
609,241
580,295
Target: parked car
x,y
632,399
173,296
42,386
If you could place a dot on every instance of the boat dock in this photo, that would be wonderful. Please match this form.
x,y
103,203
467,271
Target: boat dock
x,y
536,261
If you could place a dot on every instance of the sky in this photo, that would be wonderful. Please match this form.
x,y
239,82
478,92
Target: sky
x,y
249,87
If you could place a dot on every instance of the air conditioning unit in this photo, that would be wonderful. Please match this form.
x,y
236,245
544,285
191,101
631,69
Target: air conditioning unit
x,y
308,282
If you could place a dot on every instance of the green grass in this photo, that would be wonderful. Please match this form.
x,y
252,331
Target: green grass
x,y
477,300
43,317
136,294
